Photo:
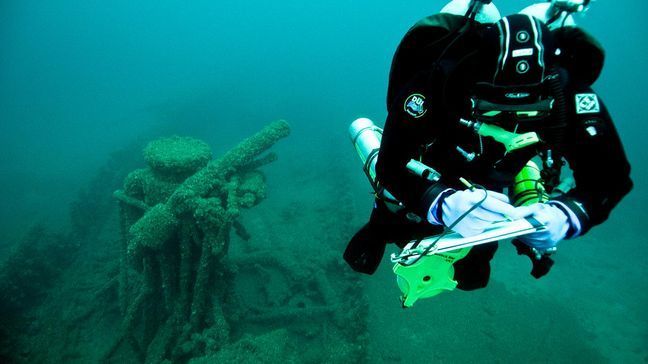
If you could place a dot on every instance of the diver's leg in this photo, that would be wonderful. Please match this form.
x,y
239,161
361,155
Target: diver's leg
x,y
364,251
473,271
367,247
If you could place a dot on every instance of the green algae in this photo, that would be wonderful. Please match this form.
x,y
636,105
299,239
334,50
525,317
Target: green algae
x,y
176,217
177,155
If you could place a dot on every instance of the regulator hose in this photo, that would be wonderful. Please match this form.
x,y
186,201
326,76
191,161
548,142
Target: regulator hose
x,y
555,134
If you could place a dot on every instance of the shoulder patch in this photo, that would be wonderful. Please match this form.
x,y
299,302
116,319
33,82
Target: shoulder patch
x,y
587,104
415,105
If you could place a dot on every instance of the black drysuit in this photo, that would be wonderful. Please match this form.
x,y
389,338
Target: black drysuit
x,y
434,65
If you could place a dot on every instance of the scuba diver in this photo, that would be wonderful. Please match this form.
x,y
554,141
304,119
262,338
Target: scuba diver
x,y
464,82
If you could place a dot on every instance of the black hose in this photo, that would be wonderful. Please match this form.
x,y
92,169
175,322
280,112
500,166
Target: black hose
x,y
555,133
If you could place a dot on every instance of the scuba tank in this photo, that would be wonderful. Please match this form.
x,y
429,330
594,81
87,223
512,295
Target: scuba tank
x,y
482,11
528,187
557,13
366,138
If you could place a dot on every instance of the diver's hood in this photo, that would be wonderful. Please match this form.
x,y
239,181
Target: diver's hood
x,y
522,48
521,54
518,57
578,53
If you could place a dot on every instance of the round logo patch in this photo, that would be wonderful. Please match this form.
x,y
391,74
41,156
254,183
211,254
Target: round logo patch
x,y
522,67
415,105
522,36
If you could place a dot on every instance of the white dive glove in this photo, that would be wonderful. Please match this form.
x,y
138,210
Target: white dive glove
x,y
555,221
496,207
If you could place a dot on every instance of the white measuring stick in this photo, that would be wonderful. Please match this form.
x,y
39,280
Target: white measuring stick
x,y
453,241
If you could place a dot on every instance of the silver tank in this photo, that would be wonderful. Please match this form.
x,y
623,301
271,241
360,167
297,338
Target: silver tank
x,y
366,138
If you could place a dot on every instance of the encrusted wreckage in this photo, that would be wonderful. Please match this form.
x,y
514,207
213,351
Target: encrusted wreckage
x,y
176,216
183,297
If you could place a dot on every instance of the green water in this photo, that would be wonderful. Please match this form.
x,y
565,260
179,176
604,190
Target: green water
x,y
86,84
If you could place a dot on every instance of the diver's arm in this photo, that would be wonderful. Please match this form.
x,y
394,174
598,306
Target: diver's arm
x,y
403,136
596,156
419,49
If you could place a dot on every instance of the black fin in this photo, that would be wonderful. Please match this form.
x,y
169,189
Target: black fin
x,y
541,267
365,251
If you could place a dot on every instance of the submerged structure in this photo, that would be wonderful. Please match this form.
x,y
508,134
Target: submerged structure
x,y
179,290
175,217
169,274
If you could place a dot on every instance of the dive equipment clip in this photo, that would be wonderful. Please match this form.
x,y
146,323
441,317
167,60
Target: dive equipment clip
x,y
511,141
420,169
